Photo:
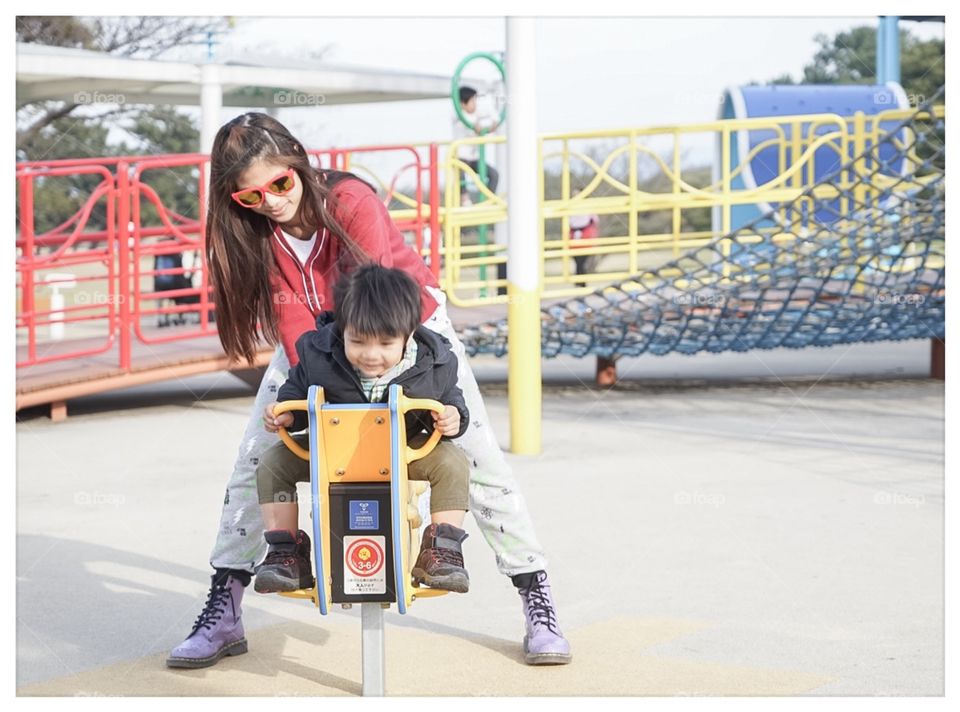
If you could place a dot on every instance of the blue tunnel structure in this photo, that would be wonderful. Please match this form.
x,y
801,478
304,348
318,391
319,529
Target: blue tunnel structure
x,y
768,163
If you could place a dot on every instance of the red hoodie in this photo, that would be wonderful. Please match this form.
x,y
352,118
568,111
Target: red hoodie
x,y
302,291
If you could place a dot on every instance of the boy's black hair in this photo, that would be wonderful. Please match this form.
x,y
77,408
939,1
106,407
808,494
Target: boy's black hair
x,y
466,94
378,301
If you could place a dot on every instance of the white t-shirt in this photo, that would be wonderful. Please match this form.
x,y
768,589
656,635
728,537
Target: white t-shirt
x,y
470,152
302,248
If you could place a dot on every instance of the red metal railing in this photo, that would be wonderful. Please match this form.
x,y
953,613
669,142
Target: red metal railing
x,y
114,266
178,235
31,264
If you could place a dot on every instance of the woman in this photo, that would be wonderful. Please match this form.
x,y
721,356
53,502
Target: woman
x,y
279,234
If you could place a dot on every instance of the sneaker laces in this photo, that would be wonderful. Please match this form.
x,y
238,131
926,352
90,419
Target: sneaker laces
x,y
539,607
214,608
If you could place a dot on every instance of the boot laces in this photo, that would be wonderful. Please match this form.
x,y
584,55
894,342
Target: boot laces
x,y
214,608
279,556
539,607
443,555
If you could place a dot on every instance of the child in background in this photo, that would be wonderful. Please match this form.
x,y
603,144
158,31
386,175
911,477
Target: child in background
x,y
470,153
584,227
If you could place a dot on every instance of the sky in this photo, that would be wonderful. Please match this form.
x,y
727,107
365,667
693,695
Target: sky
x,y
592,72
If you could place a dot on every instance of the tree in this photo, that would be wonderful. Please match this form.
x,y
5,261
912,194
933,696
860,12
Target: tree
x,y
48,130
850,57
55,31
145,37
162,129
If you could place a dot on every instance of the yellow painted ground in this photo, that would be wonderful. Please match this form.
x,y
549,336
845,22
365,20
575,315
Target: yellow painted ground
x,y
293,659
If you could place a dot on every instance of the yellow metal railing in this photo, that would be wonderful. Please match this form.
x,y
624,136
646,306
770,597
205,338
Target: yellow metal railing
x,y
654,205
464,256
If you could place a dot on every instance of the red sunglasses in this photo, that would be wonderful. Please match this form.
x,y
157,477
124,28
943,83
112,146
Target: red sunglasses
x,y
253,197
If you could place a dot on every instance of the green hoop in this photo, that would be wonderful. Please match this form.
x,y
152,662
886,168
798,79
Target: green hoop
x,y
455,85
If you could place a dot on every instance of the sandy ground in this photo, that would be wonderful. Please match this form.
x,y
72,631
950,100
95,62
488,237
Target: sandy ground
x,y
772,528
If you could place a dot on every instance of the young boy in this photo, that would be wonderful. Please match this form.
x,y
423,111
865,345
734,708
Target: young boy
x,y
374,340
469,153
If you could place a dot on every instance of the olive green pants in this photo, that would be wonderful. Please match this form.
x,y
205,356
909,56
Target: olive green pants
x,y
445,468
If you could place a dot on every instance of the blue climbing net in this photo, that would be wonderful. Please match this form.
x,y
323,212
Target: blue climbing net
x,y
859,256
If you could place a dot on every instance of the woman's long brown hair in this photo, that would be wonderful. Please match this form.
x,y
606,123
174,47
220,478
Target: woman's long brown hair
x,y
242,269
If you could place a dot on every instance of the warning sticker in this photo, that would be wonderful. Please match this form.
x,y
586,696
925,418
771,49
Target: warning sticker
x,y
363,565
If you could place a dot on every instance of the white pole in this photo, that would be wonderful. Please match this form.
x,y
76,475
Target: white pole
x,y
56,316
56,282
523,253
372,649
501,230
211,101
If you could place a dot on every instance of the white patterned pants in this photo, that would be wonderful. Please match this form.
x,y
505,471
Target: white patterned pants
x,y
495,499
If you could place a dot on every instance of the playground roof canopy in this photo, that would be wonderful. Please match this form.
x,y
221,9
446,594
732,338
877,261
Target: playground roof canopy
x,y
61,73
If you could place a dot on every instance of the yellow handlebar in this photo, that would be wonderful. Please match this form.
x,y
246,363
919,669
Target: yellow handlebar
x,y
284,407
408,404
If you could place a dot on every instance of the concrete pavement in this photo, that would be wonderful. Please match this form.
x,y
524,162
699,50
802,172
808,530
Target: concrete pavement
x,y
770,537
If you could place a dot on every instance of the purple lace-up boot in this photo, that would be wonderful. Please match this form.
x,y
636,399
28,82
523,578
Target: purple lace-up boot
x,y
544,643
218,630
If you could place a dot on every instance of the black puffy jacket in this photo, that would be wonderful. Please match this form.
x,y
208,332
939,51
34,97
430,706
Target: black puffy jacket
x,y
323,362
